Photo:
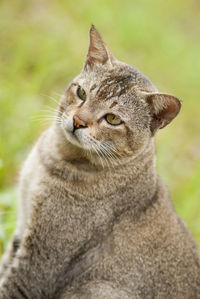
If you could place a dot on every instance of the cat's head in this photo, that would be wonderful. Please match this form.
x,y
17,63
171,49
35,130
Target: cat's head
x,y
111,109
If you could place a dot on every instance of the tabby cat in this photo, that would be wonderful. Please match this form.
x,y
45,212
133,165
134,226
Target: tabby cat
x,y
95,219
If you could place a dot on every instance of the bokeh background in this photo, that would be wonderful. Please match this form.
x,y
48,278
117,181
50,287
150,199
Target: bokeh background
x,y
43,45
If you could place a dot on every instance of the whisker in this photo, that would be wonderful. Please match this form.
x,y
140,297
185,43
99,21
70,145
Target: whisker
x,y
58,94
46,118
95,149
50,97
106,154
50,109
101,151
100,156
112,155
44,115
112,147
90,153
114,152
109,157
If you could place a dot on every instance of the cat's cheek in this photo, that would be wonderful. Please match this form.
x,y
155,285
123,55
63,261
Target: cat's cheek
x,y
67,124
94,132
138,142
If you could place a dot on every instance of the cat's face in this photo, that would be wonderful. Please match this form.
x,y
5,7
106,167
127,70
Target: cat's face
x,y
109,110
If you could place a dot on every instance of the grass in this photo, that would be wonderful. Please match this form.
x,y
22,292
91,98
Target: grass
x,y
44,44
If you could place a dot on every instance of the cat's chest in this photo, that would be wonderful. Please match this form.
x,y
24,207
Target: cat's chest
x,y
125,258
116,258
67,221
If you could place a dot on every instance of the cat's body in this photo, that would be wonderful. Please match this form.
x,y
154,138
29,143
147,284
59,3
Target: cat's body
x,y
96,221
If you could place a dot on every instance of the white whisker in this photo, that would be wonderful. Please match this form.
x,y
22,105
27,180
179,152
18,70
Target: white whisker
x,y
101,151
95,149
58,94
107,155
47,117
113,156
50,109
57,102
112,148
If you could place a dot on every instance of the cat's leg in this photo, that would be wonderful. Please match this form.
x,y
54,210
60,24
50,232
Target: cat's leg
x,y
98,290
9,255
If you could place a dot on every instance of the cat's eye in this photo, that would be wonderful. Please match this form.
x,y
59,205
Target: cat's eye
x,y
113,119
81,93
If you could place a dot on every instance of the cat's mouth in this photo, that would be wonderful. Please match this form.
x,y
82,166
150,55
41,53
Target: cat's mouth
x,y
73,138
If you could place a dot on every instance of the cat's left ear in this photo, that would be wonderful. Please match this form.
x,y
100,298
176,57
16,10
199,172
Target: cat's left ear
x,y
164,108
98,53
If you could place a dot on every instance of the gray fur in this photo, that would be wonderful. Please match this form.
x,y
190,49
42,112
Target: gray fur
x,y
95,219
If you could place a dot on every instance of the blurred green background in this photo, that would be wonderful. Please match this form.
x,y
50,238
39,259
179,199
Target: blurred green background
x,y
44,44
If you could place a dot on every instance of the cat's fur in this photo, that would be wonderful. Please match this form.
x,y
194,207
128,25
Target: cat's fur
x,y
96,221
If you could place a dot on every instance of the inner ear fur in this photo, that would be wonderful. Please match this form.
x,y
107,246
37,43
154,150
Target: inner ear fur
x,y
98,53
164,108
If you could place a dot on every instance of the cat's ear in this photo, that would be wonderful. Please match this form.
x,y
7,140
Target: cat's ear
x,y
164,108
98,53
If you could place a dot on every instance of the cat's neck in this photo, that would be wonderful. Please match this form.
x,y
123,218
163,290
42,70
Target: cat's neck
x,y
67,162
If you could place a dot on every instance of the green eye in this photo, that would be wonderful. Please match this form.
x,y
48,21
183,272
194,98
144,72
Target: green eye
x,y
113,119
81,93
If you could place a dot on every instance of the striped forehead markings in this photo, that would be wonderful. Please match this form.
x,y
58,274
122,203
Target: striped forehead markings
x,y
114,86
113,104
93,87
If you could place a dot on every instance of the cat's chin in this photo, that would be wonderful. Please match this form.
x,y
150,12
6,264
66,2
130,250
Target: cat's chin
x,y
75,139
78,139
72,138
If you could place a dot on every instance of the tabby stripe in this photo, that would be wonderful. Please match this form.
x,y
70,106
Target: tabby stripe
x,y
20,291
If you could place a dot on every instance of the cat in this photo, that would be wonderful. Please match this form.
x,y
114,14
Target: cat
x,y
95,220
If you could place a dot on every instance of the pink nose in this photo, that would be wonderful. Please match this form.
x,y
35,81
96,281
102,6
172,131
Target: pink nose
x,y
78,122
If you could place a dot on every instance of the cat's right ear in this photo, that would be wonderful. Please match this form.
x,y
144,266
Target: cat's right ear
x,y
98,53
163,107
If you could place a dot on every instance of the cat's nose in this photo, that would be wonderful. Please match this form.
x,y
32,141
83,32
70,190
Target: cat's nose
x,y
79,123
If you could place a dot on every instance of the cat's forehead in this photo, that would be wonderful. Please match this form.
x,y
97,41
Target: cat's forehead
x,y
115,85
115,82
